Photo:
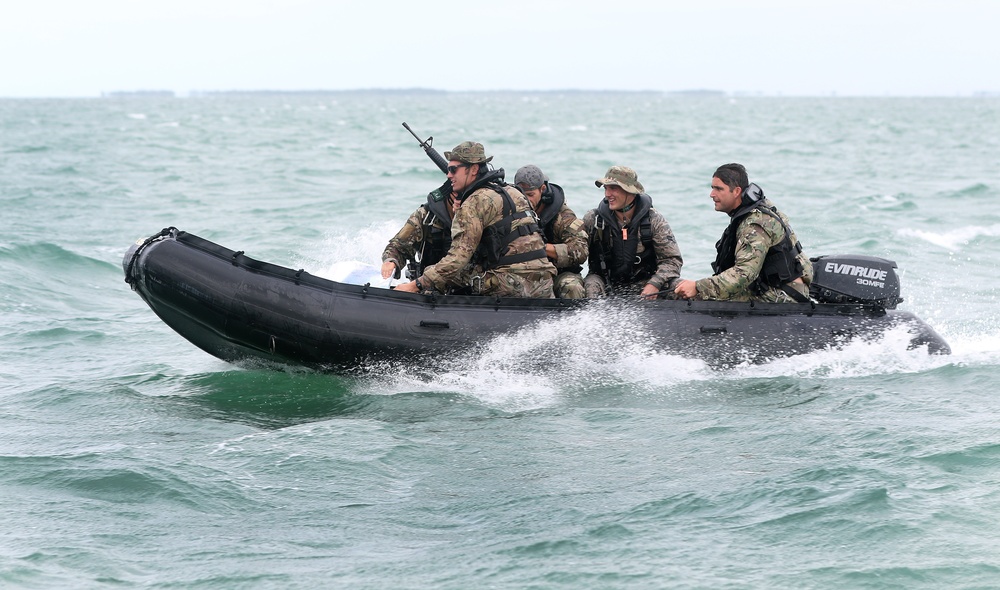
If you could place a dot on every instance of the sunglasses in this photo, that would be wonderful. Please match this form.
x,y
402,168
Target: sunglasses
x,y
454,169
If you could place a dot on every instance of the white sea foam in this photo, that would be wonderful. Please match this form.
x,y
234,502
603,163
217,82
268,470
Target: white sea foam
x,y
541,364
954,239
887,354
976,343
353,259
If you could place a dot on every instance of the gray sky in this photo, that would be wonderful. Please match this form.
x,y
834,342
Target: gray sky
x,y
847,47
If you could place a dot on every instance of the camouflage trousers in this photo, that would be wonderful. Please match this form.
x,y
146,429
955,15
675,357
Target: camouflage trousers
x,y
569,285
536,284
773,294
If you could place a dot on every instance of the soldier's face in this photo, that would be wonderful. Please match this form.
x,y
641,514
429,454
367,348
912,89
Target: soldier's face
x,y
462,176
726,199
617,197
534,195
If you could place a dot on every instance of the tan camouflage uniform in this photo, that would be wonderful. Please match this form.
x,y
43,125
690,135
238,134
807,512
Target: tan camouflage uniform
x,y
668,256
404,245
570,242
481,209
756,234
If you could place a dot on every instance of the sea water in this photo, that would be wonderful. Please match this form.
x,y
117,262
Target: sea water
x,y
130,458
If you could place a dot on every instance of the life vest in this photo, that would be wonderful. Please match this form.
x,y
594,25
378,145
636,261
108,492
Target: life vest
x,y
618,260
554,198
497,237
781,264
436,228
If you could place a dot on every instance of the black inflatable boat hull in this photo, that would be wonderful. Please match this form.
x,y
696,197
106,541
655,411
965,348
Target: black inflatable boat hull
x,y
237,308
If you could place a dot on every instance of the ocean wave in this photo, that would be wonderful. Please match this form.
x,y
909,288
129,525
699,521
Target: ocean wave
x,y
48,254
954,239
111,476
28,149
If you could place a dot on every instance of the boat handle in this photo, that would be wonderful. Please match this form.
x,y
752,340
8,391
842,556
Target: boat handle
x,y
713,329
433,324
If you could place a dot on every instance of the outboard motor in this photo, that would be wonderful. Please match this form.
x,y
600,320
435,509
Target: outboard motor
x,y
851,278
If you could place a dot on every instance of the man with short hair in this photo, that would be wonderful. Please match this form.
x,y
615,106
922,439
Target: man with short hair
x,y
632,249
565,237
758,257
425,237
494,230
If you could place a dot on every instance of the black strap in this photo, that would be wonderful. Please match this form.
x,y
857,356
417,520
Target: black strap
x,y
794,294
646,233
522,257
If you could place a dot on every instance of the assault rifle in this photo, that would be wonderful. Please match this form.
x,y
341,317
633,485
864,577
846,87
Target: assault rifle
x,y
432,153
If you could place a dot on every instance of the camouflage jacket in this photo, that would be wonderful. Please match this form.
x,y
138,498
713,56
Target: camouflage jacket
x,y
480,210
666,259
427,232
757,233
565,231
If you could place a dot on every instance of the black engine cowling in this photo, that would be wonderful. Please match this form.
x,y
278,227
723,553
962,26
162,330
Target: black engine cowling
x,y
850,278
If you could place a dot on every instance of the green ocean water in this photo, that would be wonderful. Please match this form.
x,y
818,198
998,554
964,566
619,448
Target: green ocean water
x,y
129,458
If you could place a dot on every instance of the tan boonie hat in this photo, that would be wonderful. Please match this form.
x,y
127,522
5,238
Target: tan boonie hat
x,y
622,176
469,152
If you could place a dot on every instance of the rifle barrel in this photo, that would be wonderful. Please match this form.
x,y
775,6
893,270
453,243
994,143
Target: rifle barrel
x,y
432,153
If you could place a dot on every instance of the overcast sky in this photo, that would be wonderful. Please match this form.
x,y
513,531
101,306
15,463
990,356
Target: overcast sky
x,y
801,47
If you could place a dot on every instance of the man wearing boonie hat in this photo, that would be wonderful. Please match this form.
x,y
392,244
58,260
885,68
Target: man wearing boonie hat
x,y
565,239
632,249
496,245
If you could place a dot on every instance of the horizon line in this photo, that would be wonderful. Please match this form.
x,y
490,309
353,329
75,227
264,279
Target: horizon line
x,y
694,92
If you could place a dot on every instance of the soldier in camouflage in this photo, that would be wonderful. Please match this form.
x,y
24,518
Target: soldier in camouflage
x,y
759,258
494,230
632,249
425,237
565,237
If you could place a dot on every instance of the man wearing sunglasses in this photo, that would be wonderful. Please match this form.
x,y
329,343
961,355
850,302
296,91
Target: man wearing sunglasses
x,y
495,238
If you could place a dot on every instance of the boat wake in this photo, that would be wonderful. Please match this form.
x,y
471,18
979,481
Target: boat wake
x,y
539,365
584,354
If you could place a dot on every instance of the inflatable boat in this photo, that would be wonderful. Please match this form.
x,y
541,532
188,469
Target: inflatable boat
x,y
238,309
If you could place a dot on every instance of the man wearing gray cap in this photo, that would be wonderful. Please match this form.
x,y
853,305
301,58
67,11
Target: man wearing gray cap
x,y
495,237
632,249
565,238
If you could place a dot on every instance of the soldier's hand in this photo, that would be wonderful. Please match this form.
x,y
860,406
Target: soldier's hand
x,y
389,268
550,252
686,289
649,292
